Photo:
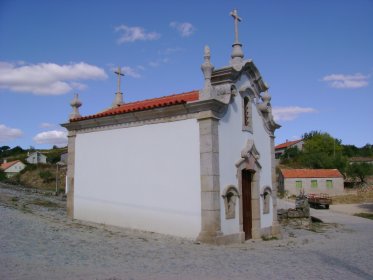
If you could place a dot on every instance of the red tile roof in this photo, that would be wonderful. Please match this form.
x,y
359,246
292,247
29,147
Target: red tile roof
x,y
146,105
6,165
287,144
311,173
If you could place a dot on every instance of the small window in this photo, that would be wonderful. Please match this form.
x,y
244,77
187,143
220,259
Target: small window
x,y
246,110
298,184
246,117
329,184
314,183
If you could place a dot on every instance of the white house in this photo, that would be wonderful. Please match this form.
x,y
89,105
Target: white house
x,y
12,168
36,157
329,181
199,164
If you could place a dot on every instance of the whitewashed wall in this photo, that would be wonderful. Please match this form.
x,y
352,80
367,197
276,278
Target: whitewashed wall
x,y
337,189
145,177
232,140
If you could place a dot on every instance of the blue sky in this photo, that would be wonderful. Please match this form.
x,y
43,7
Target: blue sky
x,y
316,56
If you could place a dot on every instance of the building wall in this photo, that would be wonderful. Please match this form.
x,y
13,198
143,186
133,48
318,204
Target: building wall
x,y
15,169
145,177
290,186
36,158
232,140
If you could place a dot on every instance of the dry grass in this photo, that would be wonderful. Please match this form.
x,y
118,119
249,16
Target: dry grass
x,y
44,203
32,178
354,198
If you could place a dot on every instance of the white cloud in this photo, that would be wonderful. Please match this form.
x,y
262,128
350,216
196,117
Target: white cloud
x,y
7,133
346,81
132,72
47,125
185,29
135,33
47,78
53,137
290,113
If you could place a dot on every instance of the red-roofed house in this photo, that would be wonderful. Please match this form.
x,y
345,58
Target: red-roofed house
x,y
199,164
12,168
281,148
328,181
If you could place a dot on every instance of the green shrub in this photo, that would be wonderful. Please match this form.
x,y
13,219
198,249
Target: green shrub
x,y
47,176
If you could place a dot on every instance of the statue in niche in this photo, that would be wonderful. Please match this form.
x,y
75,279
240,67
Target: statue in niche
x,y
266,200
230,199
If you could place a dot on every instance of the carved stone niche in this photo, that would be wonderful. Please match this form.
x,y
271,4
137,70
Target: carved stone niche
x,y
266,196
230,195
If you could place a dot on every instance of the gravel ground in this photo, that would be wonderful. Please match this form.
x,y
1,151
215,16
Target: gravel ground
x,y
37,241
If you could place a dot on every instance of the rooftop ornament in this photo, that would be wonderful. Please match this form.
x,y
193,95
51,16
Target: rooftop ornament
x,y
75,104
237,53
118,95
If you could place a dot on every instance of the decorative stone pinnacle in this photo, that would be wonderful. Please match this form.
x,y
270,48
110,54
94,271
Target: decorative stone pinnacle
x,y
118,95
75,104
237,53
207,69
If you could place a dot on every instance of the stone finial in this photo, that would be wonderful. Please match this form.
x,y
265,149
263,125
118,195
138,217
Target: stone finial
x,y
237,53
75,104
118,95
207,69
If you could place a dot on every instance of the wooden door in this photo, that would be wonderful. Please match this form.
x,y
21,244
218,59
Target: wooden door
x,y
246,203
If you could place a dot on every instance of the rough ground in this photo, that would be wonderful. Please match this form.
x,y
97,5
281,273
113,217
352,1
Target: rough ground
x,y
37,241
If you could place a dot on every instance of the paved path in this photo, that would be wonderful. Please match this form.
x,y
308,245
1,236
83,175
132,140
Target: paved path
x,y
38,242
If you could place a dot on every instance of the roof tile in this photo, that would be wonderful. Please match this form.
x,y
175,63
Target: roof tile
x,y
311,173
287,144
6,165
146,105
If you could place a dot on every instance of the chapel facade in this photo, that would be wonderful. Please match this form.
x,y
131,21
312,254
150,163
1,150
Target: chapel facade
x,y
199,164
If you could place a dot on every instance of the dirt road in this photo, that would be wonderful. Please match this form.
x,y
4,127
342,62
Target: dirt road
x,y
37,241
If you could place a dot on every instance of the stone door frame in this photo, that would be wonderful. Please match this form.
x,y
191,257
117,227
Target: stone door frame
x,y
249,162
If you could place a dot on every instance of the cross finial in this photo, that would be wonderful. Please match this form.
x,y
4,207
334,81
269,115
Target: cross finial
x,y
119,73
236,20
237,53
118,95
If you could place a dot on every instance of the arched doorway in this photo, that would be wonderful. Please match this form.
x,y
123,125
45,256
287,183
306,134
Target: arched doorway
x,y
246,176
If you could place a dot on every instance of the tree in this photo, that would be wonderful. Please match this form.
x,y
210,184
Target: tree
x,y
321,150
360,170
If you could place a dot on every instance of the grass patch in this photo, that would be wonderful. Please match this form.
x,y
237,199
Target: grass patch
x,y
365,215
44,203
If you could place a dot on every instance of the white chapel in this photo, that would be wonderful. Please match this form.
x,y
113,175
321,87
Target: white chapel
x,y
198,164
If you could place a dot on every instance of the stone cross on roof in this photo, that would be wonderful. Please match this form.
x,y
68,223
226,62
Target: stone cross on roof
x,y
237,53
236,20
119,73
118,95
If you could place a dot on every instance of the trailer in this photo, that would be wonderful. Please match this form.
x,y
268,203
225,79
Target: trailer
x,y
319,200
